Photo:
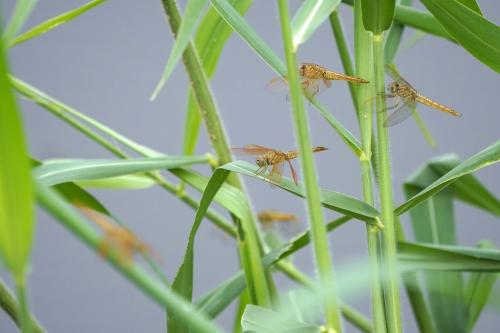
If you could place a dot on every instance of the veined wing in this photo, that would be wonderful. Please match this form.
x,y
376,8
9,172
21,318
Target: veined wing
x,y
294,173
276,174
251,150
313,87
278,84
394,74
401,113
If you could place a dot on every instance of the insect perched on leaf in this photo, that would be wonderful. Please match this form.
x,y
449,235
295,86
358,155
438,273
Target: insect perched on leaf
x,y
407,99
267,217
267,157
314,79
124,241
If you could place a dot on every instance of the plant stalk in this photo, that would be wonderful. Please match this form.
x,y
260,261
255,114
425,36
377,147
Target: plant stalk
x,y
318,228
393,314
249,243
364,93
22,297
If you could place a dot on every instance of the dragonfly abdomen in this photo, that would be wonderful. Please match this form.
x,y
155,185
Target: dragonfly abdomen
x,y
433,104
329,75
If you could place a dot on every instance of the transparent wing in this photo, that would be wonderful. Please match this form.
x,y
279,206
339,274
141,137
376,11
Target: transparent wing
x,y
313,87
294,173
327,83
401,113
278,84
276,174
394,74
251,149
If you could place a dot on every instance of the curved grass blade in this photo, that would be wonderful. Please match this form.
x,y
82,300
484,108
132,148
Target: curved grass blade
x,y
377,14
62,171
159,293
126,182
16,189
484,158
471,30
21,13
341,203
259,45
433,257
54,22
193,11
309,17
394,35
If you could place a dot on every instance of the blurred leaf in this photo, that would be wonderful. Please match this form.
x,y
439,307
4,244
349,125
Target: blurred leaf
x,y
309,17
63,213
19,16
211,36
332,200
262,320
432,257
54,22
16,189
194,9
488,156
393,37
377,14
62,171
471,4
471,30
479,288
238,23
433,222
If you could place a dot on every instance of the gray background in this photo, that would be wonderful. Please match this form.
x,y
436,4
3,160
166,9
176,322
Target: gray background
x,y
106,64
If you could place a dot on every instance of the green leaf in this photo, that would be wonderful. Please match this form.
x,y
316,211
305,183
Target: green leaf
x,y
16,189
488,156
332,200
471,30
62,171
479,288
126,182
377,14
431,257
238,23
21,13
193,11
54,22
63,213
433,222
393,38
262,320
309,17
471,4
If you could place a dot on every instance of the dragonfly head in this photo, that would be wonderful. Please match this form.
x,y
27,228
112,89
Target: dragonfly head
x,y
260,162
302,69
394,87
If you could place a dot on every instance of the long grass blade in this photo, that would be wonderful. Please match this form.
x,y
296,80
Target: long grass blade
x,y
54,22
22,11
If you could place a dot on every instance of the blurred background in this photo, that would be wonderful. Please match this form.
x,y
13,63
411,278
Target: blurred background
x,y
106,64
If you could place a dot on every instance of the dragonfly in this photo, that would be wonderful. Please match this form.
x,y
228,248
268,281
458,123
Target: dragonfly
x,y
314,79
266,217
124,241
407,99
272,158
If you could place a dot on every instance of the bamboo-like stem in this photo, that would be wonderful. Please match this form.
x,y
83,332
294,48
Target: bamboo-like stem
x,y
393,313
9,304
364,93
318,229
250,246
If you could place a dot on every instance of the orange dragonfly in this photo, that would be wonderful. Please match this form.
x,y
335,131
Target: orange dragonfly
x,y
314,79
266,217
408,97
123,240
267,157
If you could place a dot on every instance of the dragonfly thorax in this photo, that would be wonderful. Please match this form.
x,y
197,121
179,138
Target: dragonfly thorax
x,y
401,90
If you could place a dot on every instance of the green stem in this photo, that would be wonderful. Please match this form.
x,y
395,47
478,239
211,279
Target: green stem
x,y
318,228
250,245
364,69
386,197
24,314
9,304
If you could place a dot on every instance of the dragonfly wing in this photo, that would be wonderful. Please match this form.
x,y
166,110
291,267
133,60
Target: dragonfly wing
x,y
327,83
294,173
312,87
278,84
276,174
401,113
251,150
